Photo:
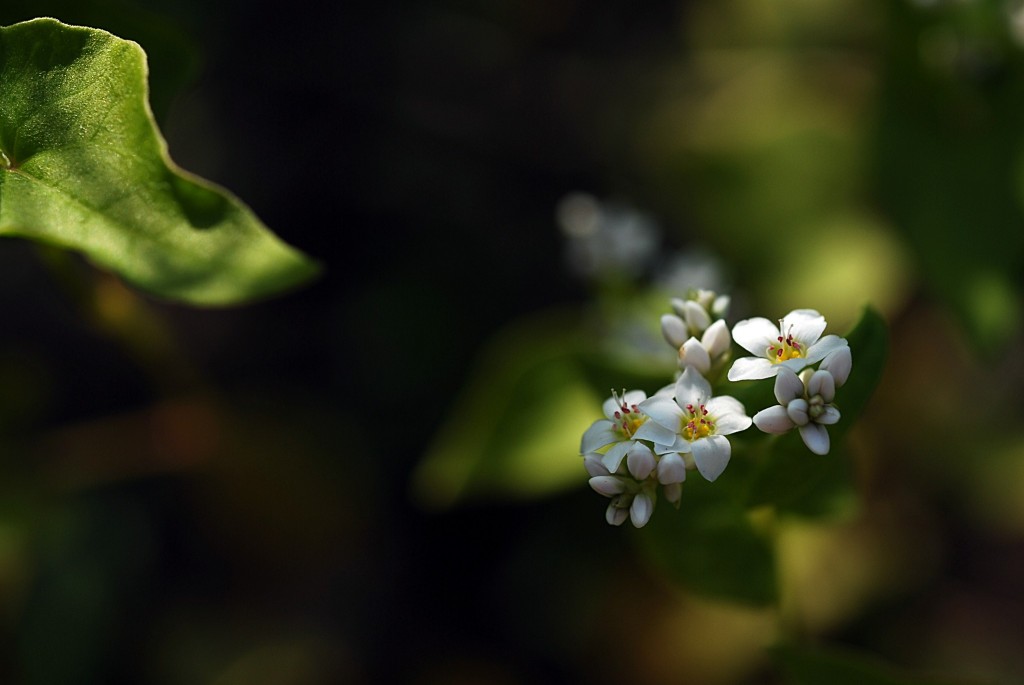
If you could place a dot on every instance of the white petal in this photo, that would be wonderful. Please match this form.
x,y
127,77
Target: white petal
x,y
825,347
773,420
599,434
806,325
671,469
640,461
797,411
634,397
616,515
755,335
727,424
674,330
678,445
829,417
592,463
655,432
692,388
815,437
822,384
692,353
663,410
838,363
716,339
724,404
668,391
608,486
751,368
697,318
711,455
613,457
788,386
641,509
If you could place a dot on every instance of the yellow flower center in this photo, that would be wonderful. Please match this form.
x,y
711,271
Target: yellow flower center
x,y
696,423
628,419
786,348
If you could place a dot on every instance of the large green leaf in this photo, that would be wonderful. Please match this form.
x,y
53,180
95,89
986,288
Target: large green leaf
x,y
84,167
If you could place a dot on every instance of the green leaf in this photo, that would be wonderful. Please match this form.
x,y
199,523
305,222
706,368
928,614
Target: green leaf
x,y
869,343
791,477
711,547
804,666
83,166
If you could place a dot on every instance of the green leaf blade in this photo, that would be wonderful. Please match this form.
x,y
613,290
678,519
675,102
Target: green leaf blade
x,y
86,169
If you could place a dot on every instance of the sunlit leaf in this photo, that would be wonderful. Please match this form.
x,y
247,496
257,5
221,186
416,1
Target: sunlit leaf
x,y
83,166
515,430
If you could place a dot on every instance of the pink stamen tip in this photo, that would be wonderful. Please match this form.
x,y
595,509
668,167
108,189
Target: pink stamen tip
x,y
618,415
780,338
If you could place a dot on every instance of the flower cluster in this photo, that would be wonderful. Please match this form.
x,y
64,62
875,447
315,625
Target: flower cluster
x,y
647,444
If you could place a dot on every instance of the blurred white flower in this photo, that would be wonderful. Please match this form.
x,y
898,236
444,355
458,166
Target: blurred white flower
x,y
606,240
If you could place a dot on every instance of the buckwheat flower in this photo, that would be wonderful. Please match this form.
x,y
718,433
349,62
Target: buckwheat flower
x,y
794,344
699,422
805,401
632,492
624,425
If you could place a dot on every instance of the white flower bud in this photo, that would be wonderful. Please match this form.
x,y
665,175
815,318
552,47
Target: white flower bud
x,y
609,486
692,353
716,339
839,362
773,420
640,461
797,411
616,515
696,317
823,385
674,330
671,469
641,509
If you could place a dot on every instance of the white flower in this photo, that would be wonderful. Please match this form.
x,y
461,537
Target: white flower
x,y
634,492
795,344
625,424
699,423
805,401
